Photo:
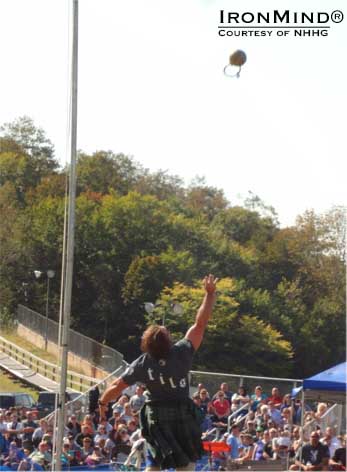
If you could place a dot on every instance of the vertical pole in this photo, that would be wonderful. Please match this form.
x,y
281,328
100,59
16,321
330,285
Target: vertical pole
x,y
47,302
70,237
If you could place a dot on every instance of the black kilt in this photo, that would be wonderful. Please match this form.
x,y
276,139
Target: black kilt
x,y
172,431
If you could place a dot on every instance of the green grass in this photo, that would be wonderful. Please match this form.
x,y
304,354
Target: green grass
x,y
11,384
36,351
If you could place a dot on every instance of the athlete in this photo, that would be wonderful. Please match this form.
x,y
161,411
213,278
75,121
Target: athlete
x,y
170,422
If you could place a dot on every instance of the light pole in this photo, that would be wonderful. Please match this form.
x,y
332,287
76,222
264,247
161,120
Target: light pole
x,y
50,274
176,308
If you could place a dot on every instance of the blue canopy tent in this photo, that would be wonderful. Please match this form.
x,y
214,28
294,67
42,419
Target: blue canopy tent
x,y
329,385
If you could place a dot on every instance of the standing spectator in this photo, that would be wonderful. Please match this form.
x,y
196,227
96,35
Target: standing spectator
x,y
312,456
258,397
233,441
138,399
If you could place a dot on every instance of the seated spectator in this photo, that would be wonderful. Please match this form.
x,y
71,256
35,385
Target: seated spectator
x,y
241,398
85,433
68,455
250,429
275,397
258,397
334,442
221,406
3,423
275,414
119,405
29,427
101,433
267,449
224,387
14,429
321,410
122,445
287,419
338,460
88,421
262,416
205,400
39,432
312,456
258,453
246,453
14,456
115,417
95,458
73,425
137,400
127,414
86,449
41,455
283,445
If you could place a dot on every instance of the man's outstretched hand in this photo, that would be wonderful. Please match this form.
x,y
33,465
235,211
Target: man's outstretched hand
x,y
210,283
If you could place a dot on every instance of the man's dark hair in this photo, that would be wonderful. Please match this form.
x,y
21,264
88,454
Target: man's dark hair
x,y
156,341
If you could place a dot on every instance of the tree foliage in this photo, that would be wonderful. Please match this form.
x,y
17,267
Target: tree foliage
x,y
143,236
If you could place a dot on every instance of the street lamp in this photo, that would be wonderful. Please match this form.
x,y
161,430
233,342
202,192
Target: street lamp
x,y
176,308
50,274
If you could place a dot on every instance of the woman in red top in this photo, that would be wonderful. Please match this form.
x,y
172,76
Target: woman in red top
x,y
221,409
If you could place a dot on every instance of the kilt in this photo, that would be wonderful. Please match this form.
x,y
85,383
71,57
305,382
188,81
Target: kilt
x,y
172,431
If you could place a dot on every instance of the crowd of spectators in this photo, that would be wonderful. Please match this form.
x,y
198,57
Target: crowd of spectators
x,y
256,426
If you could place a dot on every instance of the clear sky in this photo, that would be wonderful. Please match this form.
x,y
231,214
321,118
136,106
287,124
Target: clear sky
x,y
151,85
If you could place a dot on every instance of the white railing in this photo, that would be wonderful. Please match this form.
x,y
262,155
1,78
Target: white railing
x,y
76,381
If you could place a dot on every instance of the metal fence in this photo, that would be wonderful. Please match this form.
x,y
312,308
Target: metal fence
x,y
96,353
212,382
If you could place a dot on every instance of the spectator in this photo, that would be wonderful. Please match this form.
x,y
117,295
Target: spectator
x,y
101,433
224,387
283,444
86,449
95,458
15,455
41,455
321,410
275,397
137,400
258,453
262,417
241,398
14,429
205,400
3,423
246,453
115,417
85,433
275,414
39,432
338,460
127,414
119,405
258,397
29,427
286,417
3,445
286,402
73,425
334,442
267,449
312,456
250,429
88,421
233,441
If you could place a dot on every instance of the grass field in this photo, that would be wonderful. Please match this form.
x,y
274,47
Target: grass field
x,y
11,384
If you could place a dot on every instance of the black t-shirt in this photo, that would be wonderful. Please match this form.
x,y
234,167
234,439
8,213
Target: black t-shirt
x,y
165,379
315,455
340,455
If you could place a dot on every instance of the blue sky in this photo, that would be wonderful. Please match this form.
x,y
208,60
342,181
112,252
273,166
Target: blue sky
x,y
151,85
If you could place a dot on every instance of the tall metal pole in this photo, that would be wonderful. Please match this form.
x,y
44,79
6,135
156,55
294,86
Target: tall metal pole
x,y
47,302
70,237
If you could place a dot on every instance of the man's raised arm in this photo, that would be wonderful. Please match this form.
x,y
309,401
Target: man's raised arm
x,y
196,332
